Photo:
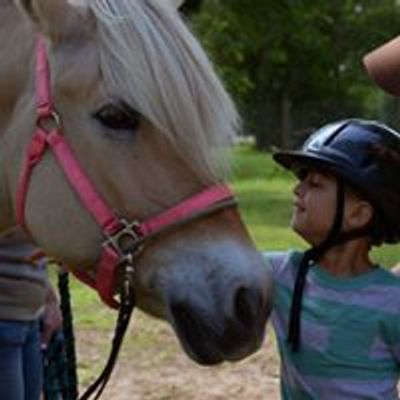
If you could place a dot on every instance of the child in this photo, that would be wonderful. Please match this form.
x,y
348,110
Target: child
x,y
336,313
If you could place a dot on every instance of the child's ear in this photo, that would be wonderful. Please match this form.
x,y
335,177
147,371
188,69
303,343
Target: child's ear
x,y
358,214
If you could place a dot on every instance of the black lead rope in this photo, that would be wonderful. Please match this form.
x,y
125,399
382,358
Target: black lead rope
x,y
124,315
70,392
297,301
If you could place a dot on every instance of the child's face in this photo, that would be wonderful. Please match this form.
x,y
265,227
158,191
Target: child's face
x,y
314,206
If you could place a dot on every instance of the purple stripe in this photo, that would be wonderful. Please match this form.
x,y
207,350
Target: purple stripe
x,y
380,350
396,351
315,333
367,298
335,389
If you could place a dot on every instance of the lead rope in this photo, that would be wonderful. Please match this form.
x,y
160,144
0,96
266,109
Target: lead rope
x,y
59,362
124,315
70,390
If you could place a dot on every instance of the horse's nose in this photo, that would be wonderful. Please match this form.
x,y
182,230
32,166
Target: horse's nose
x,y
247,305
228,331
243,326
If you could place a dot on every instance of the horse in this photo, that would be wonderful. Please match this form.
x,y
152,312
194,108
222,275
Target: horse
x,y
115,152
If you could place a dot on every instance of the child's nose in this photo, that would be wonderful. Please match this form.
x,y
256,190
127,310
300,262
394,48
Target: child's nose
x,y
299,188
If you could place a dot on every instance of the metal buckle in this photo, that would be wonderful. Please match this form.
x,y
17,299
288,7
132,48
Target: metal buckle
x,y
127,241
49,122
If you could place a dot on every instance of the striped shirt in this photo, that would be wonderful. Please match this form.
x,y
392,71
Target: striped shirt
x,y
23,287
350,333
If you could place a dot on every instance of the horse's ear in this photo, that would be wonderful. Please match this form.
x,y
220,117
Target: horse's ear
x,y
56,19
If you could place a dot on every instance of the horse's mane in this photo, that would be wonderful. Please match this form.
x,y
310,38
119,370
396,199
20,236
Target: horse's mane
x,y
150,58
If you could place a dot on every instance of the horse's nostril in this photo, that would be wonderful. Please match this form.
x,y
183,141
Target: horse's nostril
x,y
247,305
190,323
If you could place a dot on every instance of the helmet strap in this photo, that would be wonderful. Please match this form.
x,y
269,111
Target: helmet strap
x,y
311,256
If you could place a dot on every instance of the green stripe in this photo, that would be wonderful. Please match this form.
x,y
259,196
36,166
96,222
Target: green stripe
x,y
350,345
337,311
311,362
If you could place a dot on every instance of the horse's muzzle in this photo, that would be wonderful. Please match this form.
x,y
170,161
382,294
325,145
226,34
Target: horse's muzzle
x,y
222,337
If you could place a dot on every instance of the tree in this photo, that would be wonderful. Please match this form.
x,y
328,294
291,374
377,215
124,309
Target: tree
x,y
292,64
190,7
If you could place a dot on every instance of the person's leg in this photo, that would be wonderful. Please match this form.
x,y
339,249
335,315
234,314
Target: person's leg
x,y
32,364
12,336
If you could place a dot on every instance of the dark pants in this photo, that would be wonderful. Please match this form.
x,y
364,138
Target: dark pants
x,y
20,361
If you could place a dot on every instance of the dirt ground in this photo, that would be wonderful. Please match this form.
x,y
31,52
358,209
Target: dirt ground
x,y
152,366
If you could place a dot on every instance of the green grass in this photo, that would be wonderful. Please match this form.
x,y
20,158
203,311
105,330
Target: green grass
x,y
265,192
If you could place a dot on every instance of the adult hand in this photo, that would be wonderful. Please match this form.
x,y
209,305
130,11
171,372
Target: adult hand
x,y
51,318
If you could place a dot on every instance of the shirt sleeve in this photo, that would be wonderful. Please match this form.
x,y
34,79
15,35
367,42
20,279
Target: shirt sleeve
x,y
275,261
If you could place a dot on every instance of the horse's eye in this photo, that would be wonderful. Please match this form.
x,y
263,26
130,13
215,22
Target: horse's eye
x,y
118,117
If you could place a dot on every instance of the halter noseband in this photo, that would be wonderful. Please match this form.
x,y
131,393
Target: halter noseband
x,y
123,239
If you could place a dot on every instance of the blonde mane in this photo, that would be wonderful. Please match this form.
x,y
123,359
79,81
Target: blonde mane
x,y
150,58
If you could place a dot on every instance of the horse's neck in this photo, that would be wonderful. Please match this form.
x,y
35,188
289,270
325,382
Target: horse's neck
x,y
15,73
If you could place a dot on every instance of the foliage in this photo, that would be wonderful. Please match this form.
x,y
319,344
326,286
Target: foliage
x,y
292,64
191,6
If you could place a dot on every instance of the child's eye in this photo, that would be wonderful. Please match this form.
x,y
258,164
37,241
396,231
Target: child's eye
x,y
301,174
315,184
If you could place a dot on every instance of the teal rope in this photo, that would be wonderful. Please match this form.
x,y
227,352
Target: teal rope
x,y
55,368
71,391
59,359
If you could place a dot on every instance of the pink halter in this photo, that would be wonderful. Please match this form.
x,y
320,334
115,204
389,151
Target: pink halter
x,y
116,230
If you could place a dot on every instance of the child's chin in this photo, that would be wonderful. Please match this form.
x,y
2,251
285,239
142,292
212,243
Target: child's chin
x,y
297,228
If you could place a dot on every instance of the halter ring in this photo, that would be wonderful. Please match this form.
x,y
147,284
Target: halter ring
x,y
49,122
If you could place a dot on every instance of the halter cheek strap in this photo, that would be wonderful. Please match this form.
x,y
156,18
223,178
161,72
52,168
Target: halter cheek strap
x,y
117,231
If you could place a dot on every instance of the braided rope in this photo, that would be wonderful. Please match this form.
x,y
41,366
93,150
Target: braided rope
x,y
59,360
71,391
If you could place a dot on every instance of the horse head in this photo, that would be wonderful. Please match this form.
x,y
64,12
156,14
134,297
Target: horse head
x,y
149,122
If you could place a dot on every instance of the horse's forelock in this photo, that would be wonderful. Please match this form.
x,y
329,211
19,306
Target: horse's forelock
x,y
150,58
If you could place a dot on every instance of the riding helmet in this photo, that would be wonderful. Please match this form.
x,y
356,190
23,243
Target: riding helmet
x,y
364,154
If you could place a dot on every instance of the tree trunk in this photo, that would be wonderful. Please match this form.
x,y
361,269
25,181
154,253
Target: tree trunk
x,y
190,7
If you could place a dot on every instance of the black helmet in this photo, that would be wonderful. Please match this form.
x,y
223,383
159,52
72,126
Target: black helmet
x,y
366,155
